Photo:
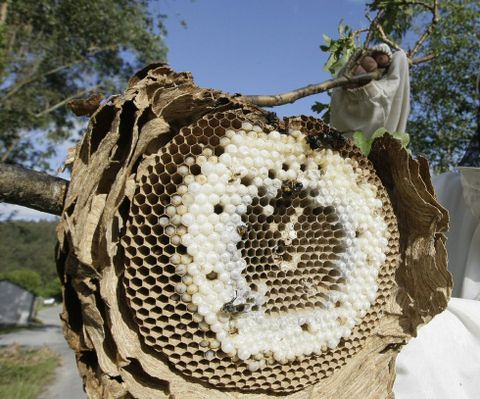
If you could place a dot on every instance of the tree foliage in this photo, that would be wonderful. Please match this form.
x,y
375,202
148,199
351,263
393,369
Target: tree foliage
x,y
27,256
444,98
52,51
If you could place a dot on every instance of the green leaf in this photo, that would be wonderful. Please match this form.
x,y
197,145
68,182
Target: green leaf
x,y
331,60
340,50
365,144
378,133
319,107
362,142
403,137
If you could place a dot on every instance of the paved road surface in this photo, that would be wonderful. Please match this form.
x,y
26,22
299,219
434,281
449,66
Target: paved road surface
x,y
67,383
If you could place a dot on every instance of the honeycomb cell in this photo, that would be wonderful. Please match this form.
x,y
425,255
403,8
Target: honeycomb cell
x,y
291,242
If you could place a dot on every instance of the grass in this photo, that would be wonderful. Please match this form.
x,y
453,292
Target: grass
x,y
25,372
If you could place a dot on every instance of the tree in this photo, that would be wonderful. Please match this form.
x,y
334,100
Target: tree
x,y
444,97
54,51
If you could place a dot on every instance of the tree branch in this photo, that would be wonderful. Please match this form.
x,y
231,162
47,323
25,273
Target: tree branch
x,y
421,60
375,25
294,95
32,189
3,12
17,86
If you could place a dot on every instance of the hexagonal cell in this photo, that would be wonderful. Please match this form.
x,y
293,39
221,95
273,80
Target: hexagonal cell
x,y
144,250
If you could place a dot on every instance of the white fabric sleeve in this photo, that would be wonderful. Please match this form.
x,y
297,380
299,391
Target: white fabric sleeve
x,y
380,103
460,194
443,361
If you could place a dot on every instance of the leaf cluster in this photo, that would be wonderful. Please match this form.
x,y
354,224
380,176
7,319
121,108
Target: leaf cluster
x,y
365,144
395,16
340,50
51,51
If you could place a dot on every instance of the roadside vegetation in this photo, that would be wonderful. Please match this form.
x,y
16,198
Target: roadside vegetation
x,y
26,372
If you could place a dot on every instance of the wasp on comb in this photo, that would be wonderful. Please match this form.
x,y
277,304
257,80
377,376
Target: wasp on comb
x,y
331,139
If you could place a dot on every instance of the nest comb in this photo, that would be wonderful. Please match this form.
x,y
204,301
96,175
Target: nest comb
x,y
209,249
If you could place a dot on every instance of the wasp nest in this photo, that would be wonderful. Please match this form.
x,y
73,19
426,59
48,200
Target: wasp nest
x,y
210,250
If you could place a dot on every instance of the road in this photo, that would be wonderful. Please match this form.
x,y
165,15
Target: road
x,y
67,383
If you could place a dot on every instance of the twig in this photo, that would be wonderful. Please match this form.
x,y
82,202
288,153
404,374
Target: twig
x,y
10,149
353,62
3,12
294,95
428,31
371,28
32,189
384,38
356,33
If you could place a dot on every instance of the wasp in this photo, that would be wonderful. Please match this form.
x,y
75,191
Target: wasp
x,y
242,230
233,177
232,308
291,188
271,118
331,139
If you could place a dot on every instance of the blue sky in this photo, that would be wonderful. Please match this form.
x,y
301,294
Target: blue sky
x,y
256,47
249,47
